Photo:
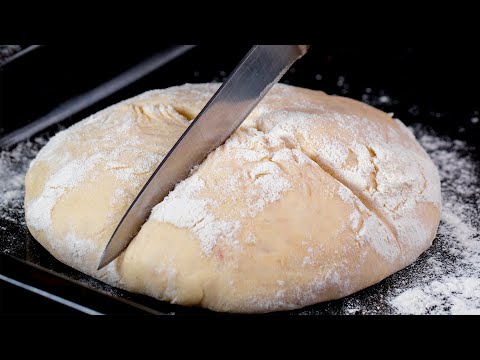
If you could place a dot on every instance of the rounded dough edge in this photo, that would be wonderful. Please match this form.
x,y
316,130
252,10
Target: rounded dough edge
x,y
319,202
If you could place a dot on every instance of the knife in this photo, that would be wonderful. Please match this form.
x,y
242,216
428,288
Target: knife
x,y
254,76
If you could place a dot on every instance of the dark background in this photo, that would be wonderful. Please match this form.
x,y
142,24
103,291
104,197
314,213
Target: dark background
x,y
443,80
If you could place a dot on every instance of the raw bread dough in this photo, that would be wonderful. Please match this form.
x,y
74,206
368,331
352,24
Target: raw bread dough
x,y
313,198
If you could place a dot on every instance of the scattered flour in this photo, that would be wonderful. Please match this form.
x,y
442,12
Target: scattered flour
x,y
451,282
448,295
66,178
445,280
7,51
184,209
13,166
269,185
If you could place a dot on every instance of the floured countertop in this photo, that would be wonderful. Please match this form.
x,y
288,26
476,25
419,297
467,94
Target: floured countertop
x,y
445,280
7,51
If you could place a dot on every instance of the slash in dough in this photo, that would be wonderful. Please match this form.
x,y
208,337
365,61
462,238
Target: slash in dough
x,y
313,198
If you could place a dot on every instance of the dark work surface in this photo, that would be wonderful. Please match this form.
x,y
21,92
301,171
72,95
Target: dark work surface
x,y
436,79
435,86
15,300
33,84
7,52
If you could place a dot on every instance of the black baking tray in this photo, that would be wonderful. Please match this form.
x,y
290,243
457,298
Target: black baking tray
x,y
49,88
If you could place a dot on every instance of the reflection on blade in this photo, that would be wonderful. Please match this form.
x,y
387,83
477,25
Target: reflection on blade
x,y
261,68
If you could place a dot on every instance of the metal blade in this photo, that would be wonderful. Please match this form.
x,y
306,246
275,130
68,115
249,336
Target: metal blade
x,y
259,70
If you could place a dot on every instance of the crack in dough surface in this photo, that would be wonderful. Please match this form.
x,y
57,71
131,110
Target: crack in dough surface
x,y
313,198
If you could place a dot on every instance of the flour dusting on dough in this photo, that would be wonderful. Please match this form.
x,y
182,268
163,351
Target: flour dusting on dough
x,y
239,196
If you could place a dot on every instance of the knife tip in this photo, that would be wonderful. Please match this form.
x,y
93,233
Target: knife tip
x,y
103,261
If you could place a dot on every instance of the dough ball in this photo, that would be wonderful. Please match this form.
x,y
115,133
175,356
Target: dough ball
x,y
313,198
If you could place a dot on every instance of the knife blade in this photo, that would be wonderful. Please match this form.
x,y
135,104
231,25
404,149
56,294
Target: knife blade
x,y
254,76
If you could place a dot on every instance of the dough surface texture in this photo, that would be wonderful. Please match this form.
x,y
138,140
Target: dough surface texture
x,y
313,198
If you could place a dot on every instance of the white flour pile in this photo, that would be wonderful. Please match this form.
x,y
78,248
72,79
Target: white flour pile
x,y
13,167
7,51
450,283
445,280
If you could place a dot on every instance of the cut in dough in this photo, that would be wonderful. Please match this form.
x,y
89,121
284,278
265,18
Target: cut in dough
x,y
313,198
